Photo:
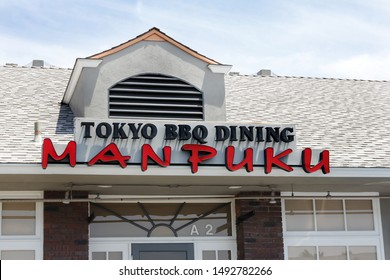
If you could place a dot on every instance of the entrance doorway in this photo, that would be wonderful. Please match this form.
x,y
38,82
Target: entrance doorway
x,y
161,251
169,230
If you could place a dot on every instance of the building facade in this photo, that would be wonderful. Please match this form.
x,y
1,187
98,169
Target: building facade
x,y
150,150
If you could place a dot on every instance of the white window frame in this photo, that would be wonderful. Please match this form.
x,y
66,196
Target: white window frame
x,y
335,238
215,245
113,246
25,242
110,244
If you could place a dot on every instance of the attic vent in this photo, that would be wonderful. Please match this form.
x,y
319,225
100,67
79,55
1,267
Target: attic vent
x,y
155,96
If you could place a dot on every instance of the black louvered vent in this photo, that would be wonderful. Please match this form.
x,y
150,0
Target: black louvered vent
x,y
155,96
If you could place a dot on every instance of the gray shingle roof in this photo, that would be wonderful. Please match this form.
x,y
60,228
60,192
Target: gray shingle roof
x,y
28,95
351,118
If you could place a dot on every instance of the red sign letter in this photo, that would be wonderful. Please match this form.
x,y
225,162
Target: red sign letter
x,y
147,152
323,164
110,153
270,160
48,150
247,161
195,158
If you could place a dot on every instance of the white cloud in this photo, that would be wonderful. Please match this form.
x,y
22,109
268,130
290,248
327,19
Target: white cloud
x,y
301,38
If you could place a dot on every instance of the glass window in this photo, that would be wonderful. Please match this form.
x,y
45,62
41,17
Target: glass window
x,y
332,252
21,225
160,219
299,215
99,255
224,255
18,218
115,256
212,255
174,255
360,215
329,214
342,228
209,255
362,253
103,255
18,255
302,253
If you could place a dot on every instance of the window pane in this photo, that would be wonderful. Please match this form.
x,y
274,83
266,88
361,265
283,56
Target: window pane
x,y
18,218
224,255
169,255
131,220
329,214
302,253
99,255
359,215
332,252
299,215
209,255
362,253
18,255
115,255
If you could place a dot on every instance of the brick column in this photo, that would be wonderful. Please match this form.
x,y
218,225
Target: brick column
x,y
65,228
260,236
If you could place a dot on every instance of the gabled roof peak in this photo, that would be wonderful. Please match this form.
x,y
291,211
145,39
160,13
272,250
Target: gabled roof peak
x,y
153,34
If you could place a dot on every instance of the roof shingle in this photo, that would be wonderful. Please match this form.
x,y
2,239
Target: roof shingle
x,y
28,95
351,118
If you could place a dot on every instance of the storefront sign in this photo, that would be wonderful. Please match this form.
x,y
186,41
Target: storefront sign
x,y
234,146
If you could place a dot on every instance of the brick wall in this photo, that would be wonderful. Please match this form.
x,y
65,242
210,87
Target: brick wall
x,y
260,236
65,228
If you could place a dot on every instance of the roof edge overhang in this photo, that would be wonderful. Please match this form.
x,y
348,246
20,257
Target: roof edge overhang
x,y
80,64
178,180
154,34
220,68
83,169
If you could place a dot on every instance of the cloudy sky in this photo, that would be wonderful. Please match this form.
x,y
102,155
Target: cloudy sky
x,y
332,38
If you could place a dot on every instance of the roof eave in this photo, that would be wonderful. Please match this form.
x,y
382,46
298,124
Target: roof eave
x,y
80,64
154,34
220,68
